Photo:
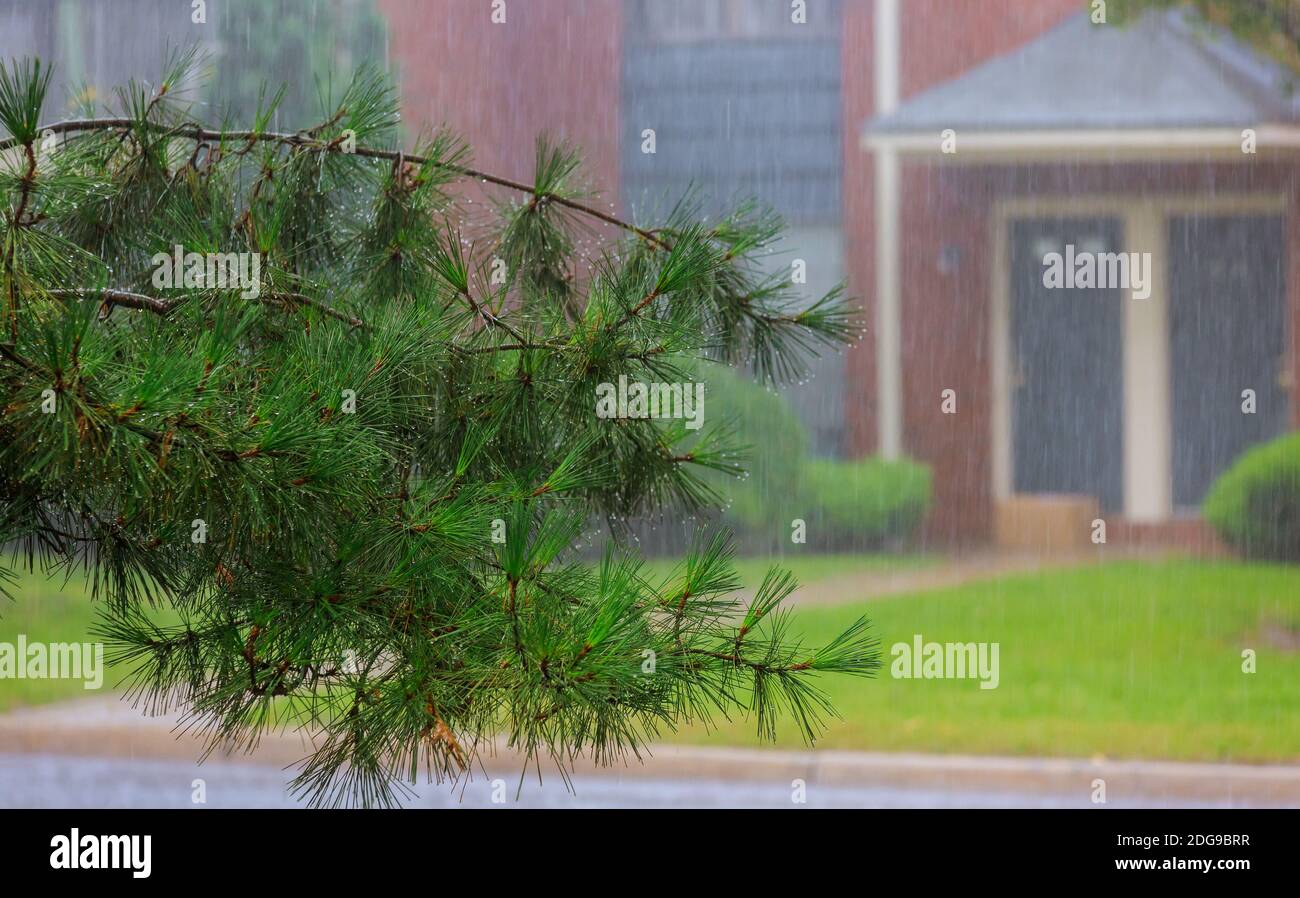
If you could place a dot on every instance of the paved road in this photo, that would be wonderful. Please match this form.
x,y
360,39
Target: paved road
x,y
55,781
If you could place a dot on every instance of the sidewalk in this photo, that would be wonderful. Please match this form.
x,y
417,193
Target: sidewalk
x,y
956,570
107,728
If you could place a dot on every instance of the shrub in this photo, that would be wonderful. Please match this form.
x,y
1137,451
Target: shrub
x,y
865,504
1254,506
777,444
869,503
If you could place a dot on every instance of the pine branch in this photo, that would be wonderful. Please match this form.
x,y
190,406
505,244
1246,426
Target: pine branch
x,y
123,298
309,140
130,300
369,531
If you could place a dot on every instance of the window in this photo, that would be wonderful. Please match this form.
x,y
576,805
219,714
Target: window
x,y
681,21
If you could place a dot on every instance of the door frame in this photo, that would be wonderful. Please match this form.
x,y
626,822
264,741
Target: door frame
x,y
1148,430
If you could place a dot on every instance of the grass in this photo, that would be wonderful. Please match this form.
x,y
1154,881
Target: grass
x,y
46,609
51,609
1129,660
1124,660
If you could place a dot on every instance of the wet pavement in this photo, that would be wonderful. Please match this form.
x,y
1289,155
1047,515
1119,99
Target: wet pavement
x,y
59,781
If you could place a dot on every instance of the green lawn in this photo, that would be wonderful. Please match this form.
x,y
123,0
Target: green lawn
x,y
1126,660
52,609
1123,660
46,610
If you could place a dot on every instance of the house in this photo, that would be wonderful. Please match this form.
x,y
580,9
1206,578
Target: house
x,y
936,154
966,141
1161,139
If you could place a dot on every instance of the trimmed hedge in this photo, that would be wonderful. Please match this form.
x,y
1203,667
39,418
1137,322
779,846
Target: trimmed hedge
x,y
868,503
1254,506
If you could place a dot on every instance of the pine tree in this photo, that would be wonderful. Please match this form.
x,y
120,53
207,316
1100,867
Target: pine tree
x,y
360,479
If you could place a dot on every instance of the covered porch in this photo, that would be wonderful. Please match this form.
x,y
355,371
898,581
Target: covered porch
x,y
1096,400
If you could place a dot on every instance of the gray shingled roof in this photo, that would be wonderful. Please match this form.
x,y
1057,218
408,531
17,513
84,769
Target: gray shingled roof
x,y
1160,72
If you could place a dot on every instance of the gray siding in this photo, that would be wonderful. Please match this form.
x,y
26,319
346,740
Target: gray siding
x,y
100,45
737,119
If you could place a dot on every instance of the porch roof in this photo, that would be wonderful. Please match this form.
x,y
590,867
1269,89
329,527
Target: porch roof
x,y
1162,82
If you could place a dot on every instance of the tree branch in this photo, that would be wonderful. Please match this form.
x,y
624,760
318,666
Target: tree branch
x,y
124,298
144,303
306,140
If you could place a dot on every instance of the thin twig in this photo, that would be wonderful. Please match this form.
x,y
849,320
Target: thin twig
x,y
124,298
300,139
131,300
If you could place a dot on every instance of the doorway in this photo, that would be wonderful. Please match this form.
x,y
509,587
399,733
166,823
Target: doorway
x,y
1227,335
1066,366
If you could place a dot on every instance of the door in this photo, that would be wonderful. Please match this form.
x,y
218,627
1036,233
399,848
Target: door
x,y
1067,366
1227,335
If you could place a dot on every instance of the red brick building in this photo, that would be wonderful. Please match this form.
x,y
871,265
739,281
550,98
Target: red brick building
x,y
1153,139
553,65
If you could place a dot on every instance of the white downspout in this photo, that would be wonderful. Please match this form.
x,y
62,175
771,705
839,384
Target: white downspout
x,y
889,367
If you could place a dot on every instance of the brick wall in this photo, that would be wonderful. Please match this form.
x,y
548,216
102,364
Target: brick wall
x,y
553,66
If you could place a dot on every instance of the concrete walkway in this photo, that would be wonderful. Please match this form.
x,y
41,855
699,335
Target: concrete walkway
x,y
108,729
951,571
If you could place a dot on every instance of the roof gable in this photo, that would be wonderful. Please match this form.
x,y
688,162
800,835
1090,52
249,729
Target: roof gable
x,y
1160,72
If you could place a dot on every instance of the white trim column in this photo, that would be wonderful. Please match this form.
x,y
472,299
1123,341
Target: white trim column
x,y
889,362
1148,419
1003,456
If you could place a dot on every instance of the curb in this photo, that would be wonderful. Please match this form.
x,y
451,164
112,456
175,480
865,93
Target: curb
x,y
85,729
